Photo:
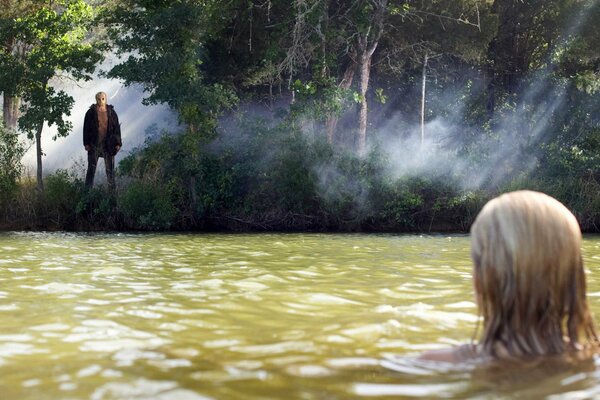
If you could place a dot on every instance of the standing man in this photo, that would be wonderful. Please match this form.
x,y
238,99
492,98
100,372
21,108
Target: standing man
x,y
101,138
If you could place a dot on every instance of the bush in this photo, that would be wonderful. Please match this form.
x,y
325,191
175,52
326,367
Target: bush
x,y
96,209
148,206
61,197
11,168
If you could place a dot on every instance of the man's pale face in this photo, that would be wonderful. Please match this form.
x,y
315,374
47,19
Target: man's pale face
x,y
101,100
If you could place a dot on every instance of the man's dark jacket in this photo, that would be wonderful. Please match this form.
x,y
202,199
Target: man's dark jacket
x,y
113,130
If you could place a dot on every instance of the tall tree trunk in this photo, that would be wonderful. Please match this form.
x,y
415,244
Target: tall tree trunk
x,y
367,42
364,68
365,56
423,92
38,146
10,111
345,84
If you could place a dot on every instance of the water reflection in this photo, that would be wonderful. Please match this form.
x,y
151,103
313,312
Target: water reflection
x,y
249,317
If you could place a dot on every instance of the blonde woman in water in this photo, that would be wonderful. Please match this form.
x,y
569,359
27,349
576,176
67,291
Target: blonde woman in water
x,y
529,281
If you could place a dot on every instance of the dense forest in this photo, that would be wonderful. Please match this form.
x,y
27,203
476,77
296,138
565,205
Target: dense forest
x,y
329,115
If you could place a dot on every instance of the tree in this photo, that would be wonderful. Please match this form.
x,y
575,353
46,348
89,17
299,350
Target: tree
x,y
11,153
9,10
434,39
163,45
369,17
395,27
311,42
578,58
53,39
527,35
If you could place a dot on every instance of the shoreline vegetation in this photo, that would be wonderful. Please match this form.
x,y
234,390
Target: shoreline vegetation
x,y
68,206
312,115
305,185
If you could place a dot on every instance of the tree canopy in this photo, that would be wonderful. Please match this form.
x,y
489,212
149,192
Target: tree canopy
x,y
48,41
309,110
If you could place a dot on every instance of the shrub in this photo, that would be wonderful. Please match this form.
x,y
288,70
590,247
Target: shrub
x,y
61,198
147,205
11,168
96,208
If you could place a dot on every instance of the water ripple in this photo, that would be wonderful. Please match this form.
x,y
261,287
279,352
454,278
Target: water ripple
x,y
184,316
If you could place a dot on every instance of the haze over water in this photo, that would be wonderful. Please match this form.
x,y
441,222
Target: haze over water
x,y
296,316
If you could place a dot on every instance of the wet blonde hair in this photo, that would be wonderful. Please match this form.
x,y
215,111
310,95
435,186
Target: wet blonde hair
x,y
529,278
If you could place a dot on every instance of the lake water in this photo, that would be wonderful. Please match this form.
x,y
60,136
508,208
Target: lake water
x,y
277,316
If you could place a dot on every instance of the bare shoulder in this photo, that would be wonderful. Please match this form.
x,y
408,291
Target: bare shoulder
x,y
457,354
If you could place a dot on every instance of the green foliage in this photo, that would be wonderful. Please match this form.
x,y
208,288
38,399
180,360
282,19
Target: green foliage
x,y
403,203
445,31
292,176
54,36
277,177
382,98
46,105
519,79
148,205
96,206
319,99
588,81
163,42
62,191
11,168
578,56
50,40
61,197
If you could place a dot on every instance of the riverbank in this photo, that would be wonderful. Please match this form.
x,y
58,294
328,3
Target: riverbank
x,y
65,204
410,205
273,179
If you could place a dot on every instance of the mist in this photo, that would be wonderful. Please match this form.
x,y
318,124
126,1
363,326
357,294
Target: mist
x,y
137,121
455,151
443,153
472,157
506,151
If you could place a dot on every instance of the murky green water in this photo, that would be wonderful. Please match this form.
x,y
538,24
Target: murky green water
x,y
250,317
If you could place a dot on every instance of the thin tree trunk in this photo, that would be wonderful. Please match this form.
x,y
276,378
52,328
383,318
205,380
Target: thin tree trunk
x,y
367,44
38,145
251,6
364,68
330,126
345,84
423,91
16,103
11,111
